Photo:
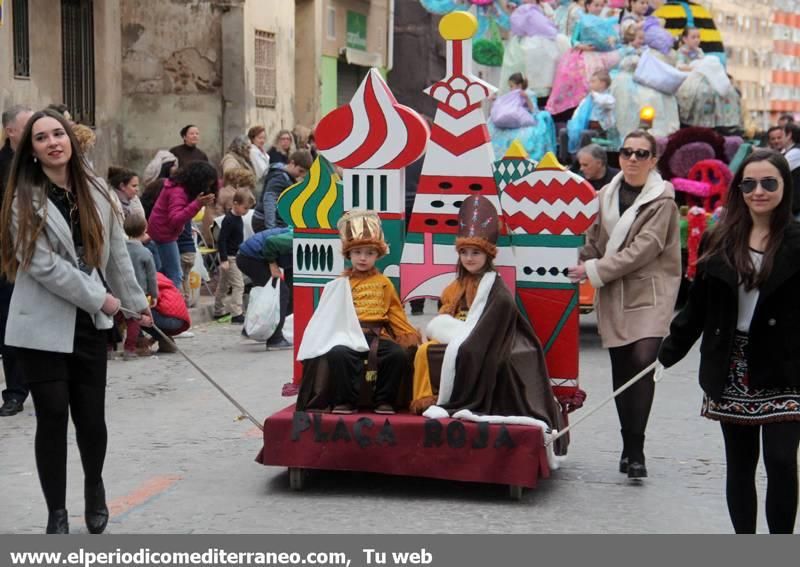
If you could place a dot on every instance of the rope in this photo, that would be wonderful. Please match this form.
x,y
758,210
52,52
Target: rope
x,y
203,373
658,375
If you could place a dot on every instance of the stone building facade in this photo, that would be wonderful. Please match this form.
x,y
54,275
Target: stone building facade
x,y
139,70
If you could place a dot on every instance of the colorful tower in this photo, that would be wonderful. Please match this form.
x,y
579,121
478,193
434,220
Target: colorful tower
x,y
515,165
548,211
373,138
313,207
458,163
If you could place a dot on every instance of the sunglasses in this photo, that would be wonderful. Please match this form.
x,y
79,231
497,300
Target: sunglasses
x,y
769,184
628,153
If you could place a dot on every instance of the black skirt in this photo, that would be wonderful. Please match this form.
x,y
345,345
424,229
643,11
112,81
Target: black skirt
x,y
743,404
86,364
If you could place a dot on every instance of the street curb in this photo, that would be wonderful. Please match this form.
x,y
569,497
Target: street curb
x,y
203,311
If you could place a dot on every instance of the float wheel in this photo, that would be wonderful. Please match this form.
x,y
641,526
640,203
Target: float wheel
x,y
515,492
296,478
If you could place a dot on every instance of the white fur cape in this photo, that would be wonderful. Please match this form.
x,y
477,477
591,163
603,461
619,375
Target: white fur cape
x,y
334,323
453,332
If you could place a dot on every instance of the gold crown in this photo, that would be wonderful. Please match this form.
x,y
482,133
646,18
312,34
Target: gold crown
x,y
359,227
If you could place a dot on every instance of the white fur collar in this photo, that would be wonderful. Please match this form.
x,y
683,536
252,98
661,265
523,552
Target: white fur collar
x,y
616,226
448,376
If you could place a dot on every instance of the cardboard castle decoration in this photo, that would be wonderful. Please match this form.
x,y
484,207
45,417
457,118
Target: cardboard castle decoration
x,y
548,211
373,138
312,207
458,164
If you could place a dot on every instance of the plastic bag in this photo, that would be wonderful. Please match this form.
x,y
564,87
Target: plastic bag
x,y
656,74
263,311
509,111
528,20
656,36
288,328
600,33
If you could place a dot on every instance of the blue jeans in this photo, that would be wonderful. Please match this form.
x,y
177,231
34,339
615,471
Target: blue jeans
x,y
170,261
151,246
169,325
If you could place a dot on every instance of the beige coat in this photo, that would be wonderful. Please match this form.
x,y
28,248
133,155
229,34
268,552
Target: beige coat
x,y
634,262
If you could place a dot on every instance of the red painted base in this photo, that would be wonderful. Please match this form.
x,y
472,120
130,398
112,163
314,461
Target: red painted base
x,y
406,445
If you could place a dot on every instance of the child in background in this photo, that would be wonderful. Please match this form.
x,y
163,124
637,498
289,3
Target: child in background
x,y
359,318
595,114
515,116
231,236
145,269
634,15
689,49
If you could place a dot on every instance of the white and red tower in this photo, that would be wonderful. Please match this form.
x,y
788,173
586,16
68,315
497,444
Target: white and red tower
x,y
458,163
373,138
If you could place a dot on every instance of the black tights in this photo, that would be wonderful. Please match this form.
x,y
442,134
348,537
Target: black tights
x,y
633,405
780,459
54,401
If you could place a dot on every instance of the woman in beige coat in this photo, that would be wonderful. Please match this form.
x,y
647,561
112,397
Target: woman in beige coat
x,y
633,260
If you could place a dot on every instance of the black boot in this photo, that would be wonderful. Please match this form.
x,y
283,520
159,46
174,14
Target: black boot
x,y
635,447
57,522
96,509
623,459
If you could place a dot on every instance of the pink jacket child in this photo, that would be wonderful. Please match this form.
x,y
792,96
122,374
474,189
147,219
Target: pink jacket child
x,y
171,213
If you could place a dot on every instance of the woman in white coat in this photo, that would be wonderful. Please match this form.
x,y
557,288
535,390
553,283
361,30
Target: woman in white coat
x,y
63,245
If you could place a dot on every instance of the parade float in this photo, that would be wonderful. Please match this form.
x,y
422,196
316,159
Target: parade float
x,y
545,211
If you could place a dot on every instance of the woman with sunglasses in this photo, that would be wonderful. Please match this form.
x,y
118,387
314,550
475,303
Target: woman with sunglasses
x,y
633,260
745,303
63,245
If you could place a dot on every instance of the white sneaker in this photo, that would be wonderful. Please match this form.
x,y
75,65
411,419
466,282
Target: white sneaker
x,y
185,335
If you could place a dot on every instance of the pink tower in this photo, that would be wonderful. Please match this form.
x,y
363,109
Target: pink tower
x,y
458,163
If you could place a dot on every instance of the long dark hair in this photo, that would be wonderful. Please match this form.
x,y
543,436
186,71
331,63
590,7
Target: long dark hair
x,y
731,237
27,180
196,178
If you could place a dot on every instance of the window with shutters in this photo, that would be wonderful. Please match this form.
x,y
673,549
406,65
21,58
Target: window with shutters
x,y
22,43
265,65
77,41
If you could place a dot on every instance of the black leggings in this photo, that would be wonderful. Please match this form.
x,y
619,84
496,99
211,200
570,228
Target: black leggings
x,y
633,405
54,401
780,459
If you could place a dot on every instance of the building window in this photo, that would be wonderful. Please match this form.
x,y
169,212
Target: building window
x,y
22,44
330,27
77,41
266,58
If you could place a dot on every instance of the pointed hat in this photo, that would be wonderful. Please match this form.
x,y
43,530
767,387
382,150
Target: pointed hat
x,y
478,225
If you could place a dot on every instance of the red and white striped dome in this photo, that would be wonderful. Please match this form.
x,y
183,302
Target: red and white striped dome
x,y
374,131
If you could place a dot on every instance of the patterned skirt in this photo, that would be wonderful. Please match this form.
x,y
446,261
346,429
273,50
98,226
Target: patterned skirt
x,y
750,406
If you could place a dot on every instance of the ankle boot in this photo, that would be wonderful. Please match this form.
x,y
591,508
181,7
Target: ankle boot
x,y
623,458
96,510
57,522
636,467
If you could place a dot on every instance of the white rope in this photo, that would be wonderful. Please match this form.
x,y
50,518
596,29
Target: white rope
x,y
659,368
205,375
